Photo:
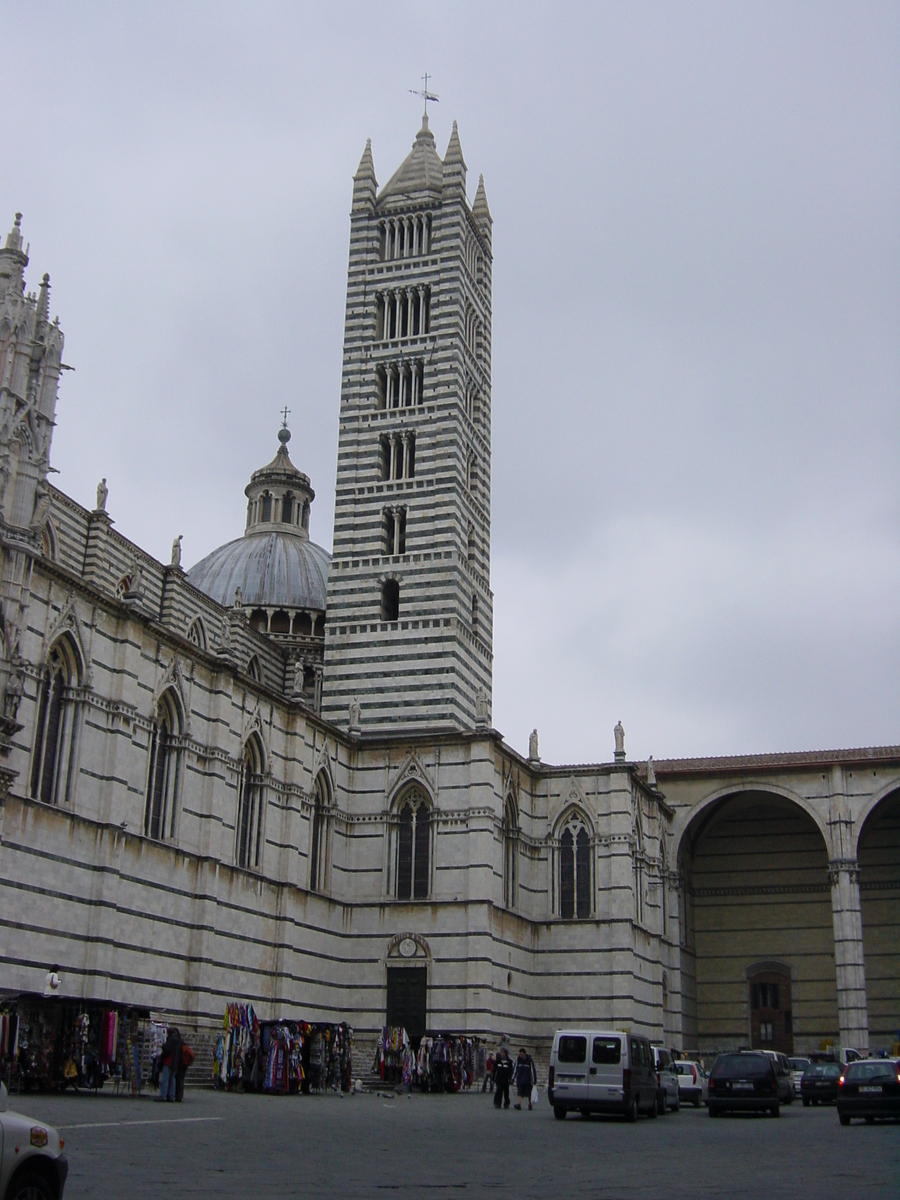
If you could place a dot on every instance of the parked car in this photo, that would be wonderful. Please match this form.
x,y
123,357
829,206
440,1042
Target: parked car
x,y
595,1070
783,1074
798,1066
692,1082
869,1088
820,1083
32,1164
744,1082
668,1095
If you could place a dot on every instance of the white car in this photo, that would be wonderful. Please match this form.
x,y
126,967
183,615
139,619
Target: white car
x,y
692,1082
32,1164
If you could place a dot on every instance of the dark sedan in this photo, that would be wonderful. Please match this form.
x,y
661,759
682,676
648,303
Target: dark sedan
x,y
743,1082
869,1088
820,1083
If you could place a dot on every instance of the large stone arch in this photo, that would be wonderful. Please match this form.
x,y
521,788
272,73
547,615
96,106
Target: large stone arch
x,y
753,862
878,857
688,816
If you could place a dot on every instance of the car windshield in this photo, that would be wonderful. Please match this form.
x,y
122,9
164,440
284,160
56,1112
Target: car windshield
x,y
741,1066
571,1048
799,1064
684,1068
860,1071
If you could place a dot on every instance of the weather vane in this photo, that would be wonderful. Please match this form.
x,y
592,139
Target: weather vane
x,y
425,94
285,413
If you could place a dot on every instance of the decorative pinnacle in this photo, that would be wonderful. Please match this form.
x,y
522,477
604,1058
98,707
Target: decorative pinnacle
x,y
14,237
366,168
284,434
454,149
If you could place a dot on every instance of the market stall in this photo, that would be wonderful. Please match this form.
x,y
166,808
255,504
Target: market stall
x,y
437,1062
55,1042
281,1057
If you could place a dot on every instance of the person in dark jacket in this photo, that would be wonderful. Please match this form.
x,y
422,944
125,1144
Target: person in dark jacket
x,y
526,1077
502,1075
170,1062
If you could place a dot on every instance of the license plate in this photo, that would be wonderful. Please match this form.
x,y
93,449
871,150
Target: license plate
x,y
742,1087
829,1085
569,1078
871,1090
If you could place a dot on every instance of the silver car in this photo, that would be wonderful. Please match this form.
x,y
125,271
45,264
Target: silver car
x,y
32,1164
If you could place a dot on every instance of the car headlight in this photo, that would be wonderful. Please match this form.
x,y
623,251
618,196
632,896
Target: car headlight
x,y
38,1136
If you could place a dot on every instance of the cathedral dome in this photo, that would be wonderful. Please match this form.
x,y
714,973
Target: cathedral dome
x,y
274,564
273,569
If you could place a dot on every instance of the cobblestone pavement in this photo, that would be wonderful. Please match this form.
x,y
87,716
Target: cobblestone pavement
x,y
220,1145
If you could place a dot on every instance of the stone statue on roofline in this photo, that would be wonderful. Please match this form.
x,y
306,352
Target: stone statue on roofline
x,y
619,734
102,493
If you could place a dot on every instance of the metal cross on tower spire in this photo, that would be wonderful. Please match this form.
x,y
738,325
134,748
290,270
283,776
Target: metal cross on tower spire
x,y
285,413
425,94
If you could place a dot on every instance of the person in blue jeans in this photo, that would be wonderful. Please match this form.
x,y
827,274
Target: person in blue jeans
x,y
170,1060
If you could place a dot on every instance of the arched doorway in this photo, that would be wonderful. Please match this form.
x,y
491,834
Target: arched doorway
x,y
878,855
757,936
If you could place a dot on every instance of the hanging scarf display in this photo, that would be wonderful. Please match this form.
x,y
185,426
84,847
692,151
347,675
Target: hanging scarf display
x,y
281,1057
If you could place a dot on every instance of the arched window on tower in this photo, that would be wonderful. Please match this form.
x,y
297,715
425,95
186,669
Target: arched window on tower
x,y
413,848
287,509
249,823
164,774
390,600
53,761
318,841
510,854
266,506
574,871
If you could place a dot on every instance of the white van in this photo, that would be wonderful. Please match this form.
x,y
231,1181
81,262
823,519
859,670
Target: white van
x,y
599,1070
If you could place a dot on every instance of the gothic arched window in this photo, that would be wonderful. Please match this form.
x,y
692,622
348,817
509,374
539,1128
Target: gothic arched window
x,y
318,840
510,854
249,824
55,739
574,871
197,633
413,848
163,777
638,873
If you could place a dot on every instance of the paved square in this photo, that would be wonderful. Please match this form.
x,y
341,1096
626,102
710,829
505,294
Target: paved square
x,y
221,1145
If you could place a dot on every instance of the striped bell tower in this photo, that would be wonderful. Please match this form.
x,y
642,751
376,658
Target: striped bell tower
x,y
409,625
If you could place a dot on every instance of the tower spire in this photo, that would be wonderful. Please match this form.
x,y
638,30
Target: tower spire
x,y
365,185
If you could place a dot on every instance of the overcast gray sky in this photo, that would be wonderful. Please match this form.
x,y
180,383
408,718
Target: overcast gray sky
x,y
696,519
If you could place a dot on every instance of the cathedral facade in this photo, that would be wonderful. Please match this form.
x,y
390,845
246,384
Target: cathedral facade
x,y
274,777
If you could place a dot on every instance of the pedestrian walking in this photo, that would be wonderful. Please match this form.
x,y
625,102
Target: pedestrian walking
x,y
489,1074
526,1077
502,1076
